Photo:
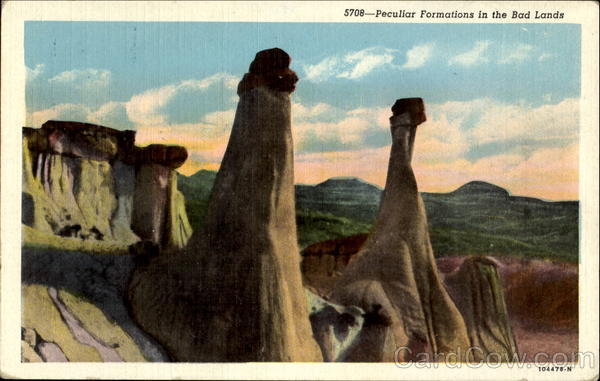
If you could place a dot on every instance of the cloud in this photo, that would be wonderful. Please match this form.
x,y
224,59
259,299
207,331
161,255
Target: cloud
x,y
515,54
549,173
83,79
369,164
365,61
352,66
325,69
503,122
221,122
530,150
205,143
357,64
325,128
321,136
418,55
111,114
147,108
68,111
454,129
34,73
441,137
302,112
529,145
545,56
472,57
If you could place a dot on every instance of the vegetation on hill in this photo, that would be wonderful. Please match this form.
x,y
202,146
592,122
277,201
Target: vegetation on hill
x,y
315,226
476,219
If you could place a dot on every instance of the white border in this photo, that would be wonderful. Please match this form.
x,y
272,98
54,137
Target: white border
x,y
13,115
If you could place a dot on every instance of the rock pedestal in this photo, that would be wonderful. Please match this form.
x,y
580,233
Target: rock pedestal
x,y
477,289
236,293
394,274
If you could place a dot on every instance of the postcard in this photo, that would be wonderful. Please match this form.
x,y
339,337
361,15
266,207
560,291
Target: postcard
x,y
299,190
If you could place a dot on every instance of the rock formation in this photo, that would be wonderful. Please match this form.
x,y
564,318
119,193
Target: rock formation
x,y
394,275
335,327
60,325
477,290
36,349
92,182
235,293
323,262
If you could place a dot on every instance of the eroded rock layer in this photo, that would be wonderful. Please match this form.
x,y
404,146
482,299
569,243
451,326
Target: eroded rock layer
x,y
91,182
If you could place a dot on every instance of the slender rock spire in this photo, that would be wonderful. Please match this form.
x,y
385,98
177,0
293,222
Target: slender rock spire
x,y
395,272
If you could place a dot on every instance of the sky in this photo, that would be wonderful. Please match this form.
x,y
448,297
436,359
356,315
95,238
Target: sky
x,y
502,100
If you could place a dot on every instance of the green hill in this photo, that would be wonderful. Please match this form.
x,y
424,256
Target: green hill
x,y
477,218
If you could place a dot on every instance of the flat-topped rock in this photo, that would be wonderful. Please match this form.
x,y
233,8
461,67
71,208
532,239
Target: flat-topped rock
x,y
70,168
169,156
101,143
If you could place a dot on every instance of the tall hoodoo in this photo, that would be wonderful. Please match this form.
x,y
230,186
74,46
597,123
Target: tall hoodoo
x,y
236,292
395,272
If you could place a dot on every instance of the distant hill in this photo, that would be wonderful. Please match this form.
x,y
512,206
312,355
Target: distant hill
x,y
196,189
476,218
486,218
346,197
198,185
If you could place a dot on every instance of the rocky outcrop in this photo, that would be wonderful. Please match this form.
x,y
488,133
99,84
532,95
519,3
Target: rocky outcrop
x,y
36,349
91,182
394,275
73,296
477,289
375,341
323,262
60,326
235,293
334,327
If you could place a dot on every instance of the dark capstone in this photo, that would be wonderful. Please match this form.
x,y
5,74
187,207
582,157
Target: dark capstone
x,y
169,156
414,106
79,139
176,155
270,68
83,128
269,61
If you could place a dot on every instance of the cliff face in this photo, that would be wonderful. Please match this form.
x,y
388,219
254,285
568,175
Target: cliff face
x,y
91,182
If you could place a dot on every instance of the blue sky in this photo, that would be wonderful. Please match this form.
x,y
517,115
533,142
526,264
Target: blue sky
x,y
502,99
